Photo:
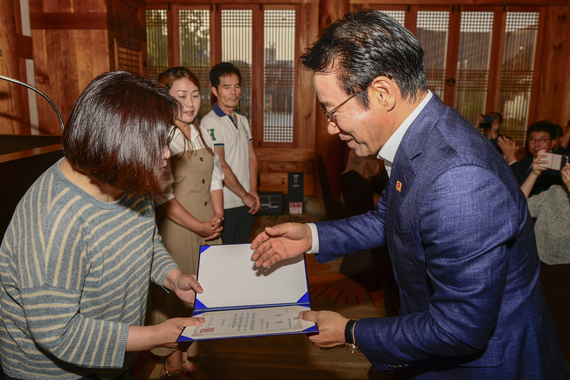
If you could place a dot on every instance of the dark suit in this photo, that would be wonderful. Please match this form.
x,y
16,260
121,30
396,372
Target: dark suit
x,y
464,255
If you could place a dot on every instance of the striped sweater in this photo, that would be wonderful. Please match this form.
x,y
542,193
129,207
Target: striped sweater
x,y
74,276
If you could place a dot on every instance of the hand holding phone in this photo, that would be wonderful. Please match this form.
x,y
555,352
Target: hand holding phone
x,y
553,161
487,121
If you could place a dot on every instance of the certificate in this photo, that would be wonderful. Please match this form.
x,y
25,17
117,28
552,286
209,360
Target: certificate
x,y
250,322
240,300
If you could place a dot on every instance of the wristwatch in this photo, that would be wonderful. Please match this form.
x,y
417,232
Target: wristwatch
x,y
349,342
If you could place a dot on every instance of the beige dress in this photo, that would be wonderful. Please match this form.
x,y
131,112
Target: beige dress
x,y
192,172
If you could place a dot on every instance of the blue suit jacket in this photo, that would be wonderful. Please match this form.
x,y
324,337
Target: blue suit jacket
x,y
464,255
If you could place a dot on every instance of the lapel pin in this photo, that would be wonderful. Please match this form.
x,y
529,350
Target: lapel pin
x,y
399,186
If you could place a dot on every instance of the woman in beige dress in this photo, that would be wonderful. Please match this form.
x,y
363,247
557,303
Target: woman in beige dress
x,y
191,212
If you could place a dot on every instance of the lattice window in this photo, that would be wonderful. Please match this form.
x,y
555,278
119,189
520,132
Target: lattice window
x,y
432,31
128,59
399,16
473,63
194,27
279,70
237,48
157,41
517,75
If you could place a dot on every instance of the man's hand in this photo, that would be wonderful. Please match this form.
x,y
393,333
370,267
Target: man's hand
x,y
537,167
281,242
509,148
254,194
251,202
331,328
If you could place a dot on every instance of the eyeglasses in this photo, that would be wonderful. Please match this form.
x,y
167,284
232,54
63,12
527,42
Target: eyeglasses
x,y
330,115
538,140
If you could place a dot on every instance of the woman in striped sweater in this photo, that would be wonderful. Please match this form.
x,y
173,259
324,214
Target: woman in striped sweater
x,y
82,246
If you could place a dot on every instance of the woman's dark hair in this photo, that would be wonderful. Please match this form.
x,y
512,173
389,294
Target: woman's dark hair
x,y
221,70
118,129
364,45
168,78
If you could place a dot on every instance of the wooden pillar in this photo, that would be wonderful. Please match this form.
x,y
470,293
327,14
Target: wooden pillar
x,y
497,48
330,147
554,84
14,47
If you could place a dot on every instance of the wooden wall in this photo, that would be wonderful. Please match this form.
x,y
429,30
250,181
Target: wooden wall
x,y
554,85
14,47
73,42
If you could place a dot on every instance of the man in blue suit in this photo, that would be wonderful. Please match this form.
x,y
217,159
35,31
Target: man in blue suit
x,y
452,215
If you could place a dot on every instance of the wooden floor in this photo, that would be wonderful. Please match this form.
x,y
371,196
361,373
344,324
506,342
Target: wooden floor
x,y
290,356
286,357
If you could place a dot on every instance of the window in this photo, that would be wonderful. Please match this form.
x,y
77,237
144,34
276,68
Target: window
x,y
279,75
432,31
202,36
517,73
157,41
473,63
237,49
194,47
464,48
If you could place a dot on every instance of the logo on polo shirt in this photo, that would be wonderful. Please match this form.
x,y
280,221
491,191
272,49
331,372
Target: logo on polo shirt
x,y
212,134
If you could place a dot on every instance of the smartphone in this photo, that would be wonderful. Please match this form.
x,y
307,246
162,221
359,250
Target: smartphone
x,y
487,121
554,161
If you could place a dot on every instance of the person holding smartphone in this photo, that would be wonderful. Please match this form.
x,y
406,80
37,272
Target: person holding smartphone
x,y
551,209
490,126
540,136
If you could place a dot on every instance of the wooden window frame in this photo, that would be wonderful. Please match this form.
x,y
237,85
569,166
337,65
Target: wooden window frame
x,y
497,44
174,57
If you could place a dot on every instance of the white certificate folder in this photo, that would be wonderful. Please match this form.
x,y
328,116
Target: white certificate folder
x,y
240,300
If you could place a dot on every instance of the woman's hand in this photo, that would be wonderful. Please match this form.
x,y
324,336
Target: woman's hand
x,y
165,334
205,229
170,330
215,226
185,286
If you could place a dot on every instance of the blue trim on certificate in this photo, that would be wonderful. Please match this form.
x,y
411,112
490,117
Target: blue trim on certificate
x,y
311,329
304,299
184,339
200,305
204,247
